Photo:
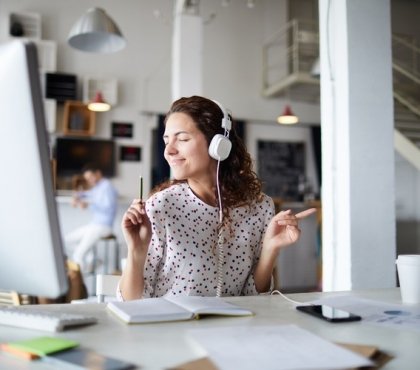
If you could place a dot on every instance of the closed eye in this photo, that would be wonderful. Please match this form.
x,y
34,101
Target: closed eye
x,y
180,136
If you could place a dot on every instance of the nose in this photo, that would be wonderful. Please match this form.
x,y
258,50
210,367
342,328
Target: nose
x,y
170,148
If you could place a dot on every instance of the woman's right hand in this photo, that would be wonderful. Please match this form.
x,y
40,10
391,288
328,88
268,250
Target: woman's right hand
x,y
136,227
137,232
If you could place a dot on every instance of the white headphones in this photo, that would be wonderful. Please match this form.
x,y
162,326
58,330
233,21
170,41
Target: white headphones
x,y
220,145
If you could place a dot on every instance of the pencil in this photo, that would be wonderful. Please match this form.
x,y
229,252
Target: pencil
x,y
141,189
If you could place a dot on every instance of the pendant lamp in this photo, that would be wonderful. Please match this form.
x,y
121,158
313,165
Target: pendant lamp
x,y
98,104
287,117
96,32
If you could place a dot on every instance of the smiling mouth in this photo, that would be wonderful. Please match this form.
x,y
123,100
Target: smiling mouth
x,y
176,162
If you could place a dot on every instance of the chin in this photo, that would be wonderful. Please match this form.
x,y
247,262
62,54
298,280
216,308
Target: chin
x,y
178,176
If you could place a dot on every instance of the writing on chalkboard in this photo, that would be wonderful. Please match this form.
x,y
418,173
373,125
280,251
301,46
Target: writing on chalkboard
x,y
281,166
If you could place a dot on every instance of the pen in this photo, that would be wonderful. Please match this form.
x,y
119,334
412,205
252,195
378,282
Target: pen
x,y
141,189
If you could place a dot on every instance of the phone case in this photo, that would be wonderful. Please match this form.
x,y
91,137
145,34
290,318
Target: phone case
x,y
329,314
82,358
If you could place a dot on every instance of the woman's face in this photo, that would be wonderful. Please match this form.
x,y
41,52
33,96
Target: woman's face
x,y
186,149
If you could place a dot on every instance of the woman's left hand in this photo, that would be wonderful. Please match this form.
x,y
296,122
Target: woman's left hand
x,y
283,229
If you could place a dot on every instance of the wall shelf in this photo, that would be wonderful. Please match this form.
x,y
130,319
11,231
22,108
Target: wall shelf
x,y
108,88
78,120
25,25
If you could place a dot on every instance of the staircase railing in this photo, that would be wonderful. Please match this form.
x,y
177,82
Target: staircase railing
x,y
292,50
406,81
406,56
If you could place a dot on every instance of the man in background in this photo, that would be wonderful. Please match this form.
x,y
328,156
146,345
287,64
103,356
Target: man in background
x,y
101,199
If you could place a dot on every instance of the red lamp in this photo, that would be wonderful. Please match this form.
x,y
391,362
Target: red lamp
x,y
287,117
98,104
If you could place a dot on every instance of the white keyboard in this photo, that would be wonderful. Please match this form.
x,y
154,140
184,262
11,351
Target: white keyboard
x,y
41,319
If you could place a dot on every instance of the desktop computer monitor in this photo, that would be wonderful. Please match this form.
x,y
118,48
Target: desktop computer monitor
x,y
32,260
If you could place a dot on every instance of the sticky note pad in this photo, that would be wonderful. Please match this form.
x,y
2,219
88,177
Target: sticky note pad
x,y
43,345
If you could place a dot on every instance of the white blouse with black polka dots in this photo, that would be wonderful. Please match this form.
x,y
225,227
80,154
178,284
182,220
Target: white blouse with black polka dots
x,y
182,257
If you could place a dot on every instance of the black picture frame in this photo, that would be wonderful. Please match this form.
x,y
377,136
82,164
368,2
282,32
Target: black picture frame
x,y
130,153
122,129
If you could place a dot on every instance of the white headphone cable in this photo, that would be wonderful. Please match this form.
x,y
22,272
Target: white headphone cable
x,y
274,292
220,253
220,240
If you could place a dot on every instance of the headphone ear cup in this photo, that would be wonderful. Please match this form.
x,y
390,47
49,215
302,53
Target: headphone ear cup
x,y
220,147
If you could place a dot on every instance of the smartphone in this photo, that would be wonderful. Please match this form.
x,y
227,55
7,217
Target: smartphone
x,y
83,359
329,313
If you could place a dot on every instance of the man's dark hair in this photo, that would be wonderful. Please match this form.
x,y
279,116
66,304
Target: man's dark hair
x,y
91,167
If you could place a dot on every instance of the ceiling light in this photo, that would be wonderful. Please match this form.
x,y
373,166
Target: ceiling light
x,y
287,117
98,104
96,32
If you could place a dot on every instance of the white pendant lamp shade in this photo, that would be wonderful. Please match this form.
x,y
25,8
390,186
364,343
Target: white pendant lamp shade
x,y
96,32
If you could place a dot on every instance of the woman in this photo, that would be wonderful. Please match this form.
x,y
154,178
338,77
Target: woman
x,y
209,231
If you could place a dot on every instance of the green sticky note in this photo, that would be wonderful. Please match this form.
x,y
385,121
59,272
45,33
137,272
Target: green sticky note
x,y
43,346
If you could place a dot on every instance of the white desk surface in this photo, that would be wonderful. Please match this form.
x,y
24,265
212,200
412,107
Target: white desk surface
x,y
158,346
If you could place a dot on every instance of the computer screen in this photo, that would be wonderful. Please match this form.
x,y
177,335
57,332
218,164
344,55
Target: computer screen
x,y
31,249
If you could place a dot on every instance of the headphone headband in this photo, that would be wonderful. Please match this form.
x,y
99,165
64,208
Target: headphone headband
x,y
220,145
226,121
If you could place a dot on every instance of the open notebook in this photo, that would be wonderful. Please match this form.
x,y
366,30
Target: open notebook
x,y
174,309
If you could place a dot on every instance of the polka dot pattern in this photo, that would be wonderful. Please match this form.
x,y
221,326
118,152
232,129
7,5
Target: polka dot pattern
x,y
182,256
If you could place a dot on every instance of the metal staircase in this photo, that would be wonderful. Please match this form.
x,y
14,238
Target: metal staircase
x,y
297,43
406,76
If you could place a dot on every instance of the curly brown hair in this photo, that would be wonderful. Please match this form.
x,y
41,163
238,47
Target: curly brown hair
x,y
239,184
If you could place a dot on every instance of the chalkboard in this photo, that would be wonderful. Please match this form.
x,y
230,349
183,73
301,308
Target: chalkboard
x,y
280,167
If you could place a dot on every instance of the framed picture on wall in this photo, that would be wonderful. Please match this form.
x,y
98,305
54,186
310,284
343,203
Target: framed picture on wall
x,y
130,153
122,129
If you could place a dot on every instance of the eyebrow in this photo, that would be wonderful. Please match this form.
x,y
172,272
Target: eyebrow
x,y
178,133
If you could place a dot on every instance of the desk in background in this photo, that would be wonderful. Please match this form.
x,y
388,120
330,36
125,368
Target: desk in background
x,y
158,346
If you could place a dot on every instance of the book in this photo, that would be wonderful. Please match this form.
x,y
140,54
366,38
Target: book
x,y
18,352
174,308
42,346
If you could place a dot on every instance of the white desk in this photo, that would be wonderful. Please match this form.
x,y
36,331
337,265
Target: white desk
x,y
156,346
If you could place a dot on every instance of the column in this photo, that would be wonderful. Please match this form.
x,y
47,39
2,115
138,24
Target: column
x,y
187,50
358,190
